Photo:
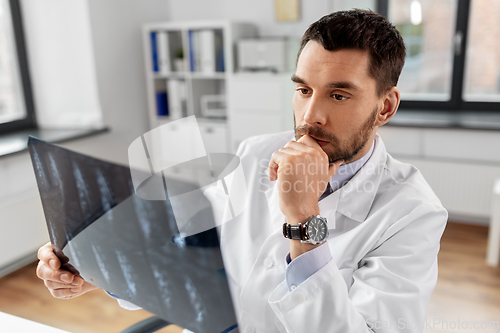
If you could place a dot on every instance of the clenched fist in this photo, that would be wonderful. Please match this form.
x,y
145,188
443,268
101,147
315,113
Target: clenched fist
x,y
303,172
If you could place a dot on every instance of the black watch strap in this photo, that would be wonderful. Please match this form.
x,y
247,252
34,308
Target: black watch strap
x,y
293,231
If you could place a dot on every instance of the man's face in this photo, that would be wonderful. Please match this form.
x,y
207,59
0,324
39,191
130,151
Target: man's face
x,y
335,100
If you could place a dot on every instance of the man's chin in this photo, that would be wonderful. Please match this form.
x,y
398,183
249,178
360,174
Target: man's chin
x,y
334,156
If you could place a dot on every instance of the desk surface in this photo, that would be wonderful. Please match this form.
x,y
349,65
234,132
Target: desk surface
x,y
10,323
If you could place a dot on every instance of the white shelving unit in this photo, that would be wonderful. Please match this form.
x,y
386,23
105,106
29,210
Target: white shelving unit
x,y
259,104
208,63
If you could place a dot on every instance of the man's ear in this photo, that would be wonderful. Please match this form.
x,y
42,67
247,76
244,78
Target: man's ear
x,y
391,103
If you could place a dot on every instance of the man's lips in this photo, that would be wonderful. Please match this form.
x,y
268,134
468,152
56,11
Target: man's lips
x,y
322,143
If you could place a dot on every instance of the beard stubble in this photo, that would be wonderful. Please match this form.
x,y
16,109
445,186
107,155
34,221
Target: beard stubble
x,y
342,150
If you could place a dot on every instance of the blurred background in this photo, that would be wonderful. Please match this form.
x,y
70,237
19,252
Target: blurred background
x,y
94,75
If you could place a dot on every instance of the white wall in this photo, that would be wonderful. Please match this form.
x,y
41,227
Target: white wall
x,y
260,13
107,79
116,30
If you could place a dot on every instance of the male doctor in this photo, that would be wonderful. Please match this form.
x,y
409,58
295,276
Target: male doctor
x,y
337,236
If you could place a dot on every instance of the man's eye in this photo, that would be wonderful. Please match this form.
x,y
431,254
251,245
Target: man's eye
x,y
339,97
303,91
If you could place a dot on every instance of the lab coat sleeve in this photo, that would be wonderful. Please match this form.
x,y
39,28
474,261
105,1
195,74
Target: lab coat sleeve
x,y
123,303
390,289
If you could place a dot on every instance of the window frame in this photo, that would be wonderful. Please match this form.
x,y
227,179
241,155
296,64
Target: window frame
x,y
456,102
29,121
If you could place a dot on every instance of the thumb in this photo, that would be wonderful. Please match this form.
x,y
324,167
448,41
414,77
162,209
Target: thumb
x,y
332,168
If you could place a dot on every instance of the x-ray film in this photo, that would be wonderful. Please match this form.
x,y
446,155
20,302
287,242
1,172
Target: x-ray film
x,y
130,246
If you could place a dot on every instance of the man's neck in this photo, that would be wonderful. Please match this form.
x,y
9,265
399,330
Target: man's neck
x,y
366,148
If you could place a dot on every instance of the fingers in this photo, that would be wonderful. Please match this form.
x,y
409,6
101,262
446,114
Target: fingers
x,y
46,272
308,141
276,159
290,151
46,255
65,293
273,165
306,144
76,284
297,149
273,171
60,283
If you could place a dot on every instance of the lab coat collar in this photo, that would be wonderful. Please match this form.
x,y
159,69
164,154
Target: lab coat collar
x,y
353,200
356,197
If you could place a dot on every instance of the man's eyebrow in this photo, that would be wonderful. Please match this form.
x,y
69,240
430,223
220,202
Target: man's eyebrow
x,y
343,85
297,79
338,84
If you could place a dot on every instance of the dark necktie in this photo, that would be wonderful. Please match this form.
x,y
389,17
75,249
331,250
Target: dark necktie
x,y
327,192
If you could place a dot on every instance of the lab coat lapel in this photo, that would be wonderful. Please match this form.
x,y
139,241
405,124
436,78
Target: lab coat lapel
x,y
328,207
356,197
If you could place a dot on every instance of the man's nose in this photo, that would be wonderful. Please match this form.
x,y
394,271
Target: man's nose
x,y
315,113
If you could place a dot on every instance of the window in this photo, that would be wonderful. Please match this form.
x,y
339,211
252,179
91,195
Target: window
x,y
16,107
482,64
453,53
428,28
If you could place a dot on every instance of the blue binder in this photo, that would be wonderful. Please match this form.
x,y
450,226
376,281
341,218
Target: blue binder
x,y
154,52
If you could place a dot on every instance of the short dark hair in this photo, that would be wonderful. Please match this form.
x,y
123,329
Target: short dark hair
x,y
362,30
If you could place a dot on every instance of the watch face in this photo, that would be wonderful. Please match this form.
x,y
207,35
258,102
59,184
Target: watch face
x,y
317,230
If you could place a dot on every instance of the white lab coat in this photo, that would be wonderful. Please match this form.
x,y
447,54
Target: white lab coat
x,y
388,224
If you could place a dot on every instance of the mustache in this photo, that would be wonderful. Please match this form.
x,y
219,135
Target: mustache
x,y
316,132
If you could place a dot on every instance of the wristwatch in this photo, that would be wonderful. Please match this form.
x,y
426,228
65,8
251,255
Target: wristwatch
x,y
312,231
